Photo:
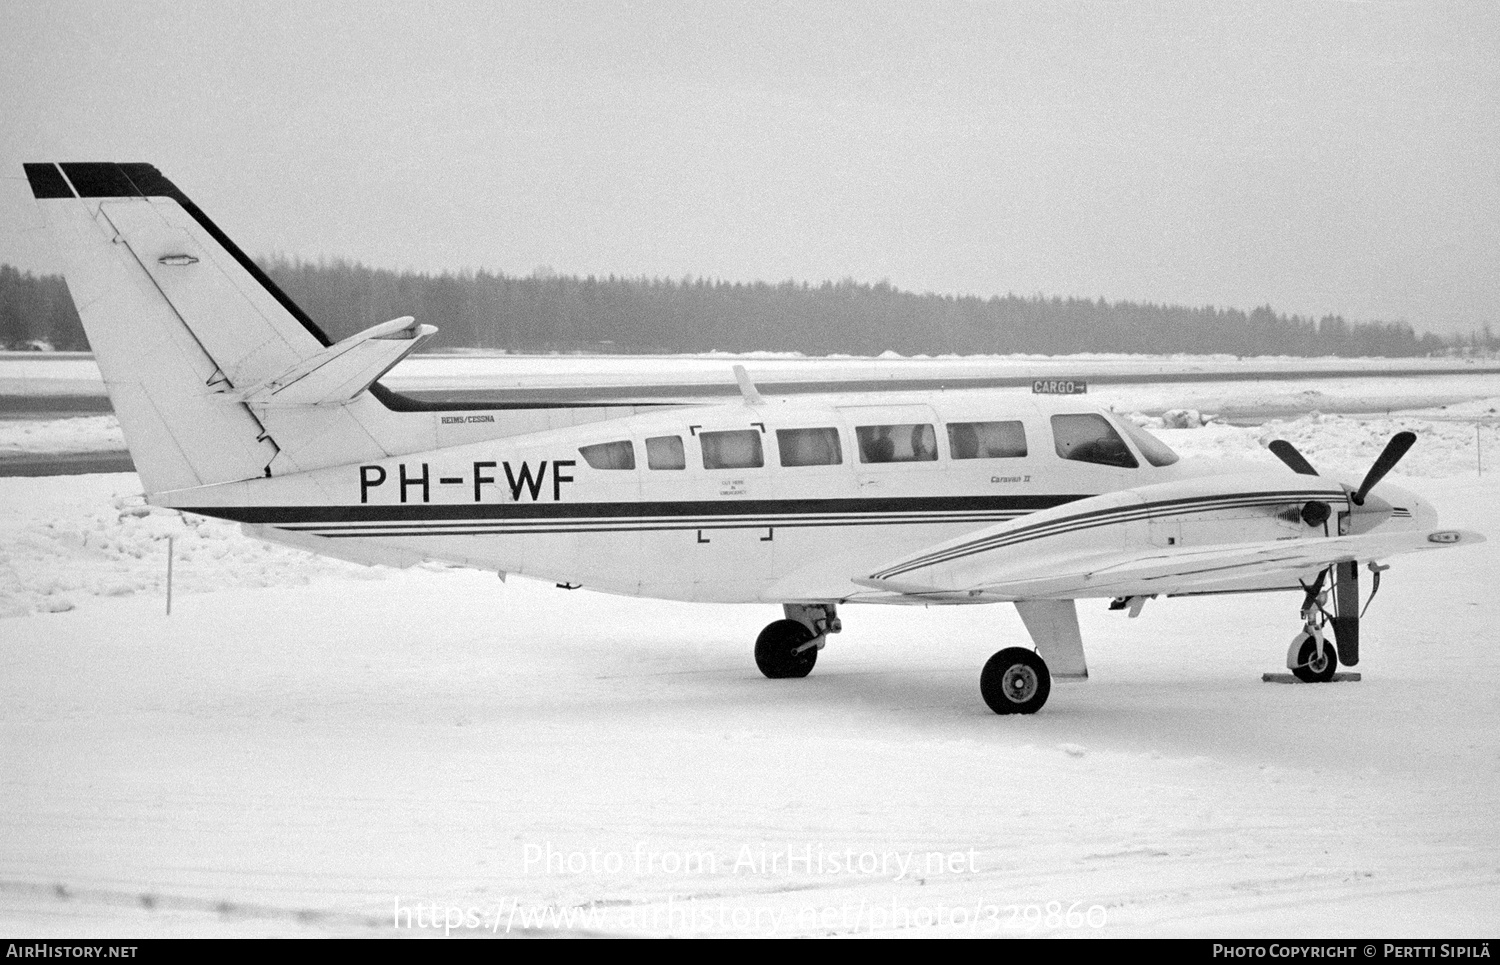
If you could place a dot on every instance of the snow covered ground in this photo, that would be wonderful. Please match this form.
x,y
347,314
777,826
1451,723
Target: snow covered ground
x,y
98,433
306,747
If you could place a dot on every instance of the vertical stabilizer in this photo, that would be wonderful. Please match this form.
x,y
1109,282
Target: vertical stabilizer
x,y
182,325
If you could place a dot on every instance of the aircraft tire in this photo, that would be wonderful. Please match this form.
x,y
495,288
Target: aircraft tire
x,y
1015,681
775,650
1311,673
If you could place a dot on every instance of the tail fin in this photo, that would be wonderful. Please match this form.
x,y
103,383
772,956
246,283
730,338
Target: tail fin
x,y
191,337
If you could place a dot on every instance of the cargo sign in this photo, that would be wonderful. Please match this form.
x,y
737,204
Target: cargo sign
x,y
1059,387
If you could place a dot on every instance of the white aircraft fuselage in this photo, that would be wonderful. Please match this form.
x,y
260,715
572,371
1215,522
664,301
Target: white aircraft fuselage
x,y
533,505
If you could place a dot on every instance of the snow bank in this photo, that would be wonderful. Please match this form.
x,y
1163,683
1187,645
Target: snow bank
x,y
1341,445
1484,410
65,538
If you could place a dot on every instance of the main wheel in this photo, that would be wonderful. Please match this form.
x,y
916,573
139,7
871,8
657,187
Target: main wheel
x,y
1314,669
1015,681
776,651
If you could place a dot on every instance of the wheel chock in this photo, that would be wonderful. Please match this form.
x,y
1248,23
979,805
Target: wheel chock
x,y
1339,677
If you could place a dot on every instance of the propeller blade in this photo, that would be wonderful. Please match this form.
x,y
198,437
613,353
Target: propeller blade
x,y
1288,454
1394,450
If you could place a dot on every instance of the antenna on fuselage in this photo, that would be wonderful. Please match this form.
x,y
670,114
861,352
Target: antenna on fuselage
x,y
747,388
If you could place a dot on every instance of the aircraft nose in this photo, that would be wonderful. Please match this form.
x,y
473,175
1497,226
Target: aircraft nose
x,y
1421,511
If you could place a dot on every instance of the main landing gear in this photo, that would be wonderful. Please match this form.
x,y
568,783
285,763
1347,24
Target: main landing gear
x,y
789,648
1015,681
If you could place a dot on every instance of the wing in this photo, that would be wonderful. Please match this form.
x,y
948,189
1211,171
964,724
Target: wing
x,y
1186,537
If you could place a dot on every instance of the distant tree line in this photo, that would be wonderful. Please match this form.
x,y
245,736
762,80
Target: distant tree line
x,y
36,311
544,312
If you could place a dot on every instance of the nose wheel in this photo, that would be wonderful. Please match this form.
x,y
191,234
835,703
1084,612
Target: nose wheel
x,y
1015,681
1312,660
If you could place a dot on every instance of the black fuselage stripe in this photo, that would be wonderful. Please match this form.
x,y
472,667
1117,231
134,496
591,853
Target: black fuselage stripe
x,y
716,521
687,509
519,529
620,528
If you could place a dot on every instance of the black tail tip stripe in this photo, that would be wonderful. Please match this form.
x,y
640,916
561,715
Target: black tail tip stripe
x,y
47,182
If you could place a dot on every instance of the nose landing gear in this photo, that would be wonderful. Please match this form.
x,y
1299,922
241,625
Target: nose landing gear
x,y
1312,657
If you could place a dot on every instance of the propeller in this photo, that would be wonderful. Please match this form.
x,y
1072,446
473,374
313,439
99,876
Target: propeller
x,y
1316,513
1394,450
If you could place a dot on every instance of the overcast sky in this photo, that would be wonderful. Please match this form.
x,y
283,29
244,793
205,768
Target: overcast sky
x,y
1321,156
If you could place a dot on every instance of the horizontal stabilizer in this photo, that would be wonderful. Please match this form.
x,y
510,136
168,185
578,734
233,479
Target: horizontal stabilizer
x,y
340,372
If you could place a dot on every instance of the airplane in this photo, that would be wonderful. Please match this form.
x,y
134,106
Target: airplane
x,y
234,404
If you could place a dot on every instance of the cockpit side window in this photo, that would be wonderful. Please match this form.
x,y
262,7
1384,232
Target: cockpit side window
x,y
1088,437
609,455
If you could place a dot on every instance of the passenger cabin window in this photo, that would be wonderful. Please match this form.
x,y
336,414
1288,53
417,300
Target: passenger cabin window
x,y
1157,453
907,443
986,440
737,449
809,447
665,452
609,455
1090,438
